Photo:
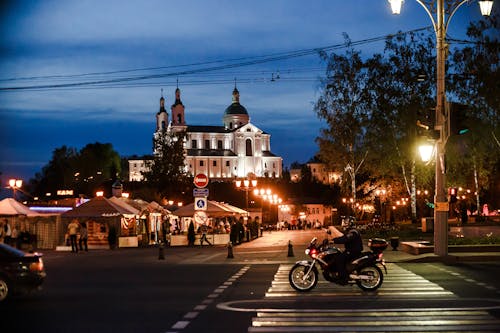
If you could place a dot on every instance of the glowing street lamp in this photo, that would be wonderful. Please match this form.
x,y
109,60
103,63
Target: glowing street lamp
x,y
246,185
426,150
396,6
14,185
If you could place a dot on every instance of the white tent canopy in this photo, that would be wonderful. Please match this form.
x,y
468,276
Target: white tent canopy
x,y
11,207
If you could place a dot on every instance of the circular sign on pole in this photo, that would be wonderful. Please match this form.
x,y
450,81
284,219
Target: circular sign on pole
x,y
200,217
200,180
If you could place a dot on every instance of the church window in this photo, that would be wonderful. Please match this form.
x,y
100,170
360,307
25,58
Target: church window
x,y
265,165
227,163
274,165
214,163
219,144
194,144
231,125
202,163
249,129
179,119
207,144
163,125
249,147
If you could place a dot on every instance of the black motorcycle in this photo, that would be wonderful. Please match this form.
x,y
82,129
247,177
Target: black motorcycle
x,y
363,271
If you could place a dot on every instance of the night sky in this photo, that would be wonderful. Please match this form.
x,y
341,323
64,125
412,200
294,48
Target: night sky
x,y
58,47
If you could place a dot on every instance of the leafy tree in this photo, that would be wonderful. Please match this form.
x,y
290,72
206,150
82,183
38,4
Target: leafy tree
x,y
344,108
83,171
95,164
400,95
167,174
57,174
474,158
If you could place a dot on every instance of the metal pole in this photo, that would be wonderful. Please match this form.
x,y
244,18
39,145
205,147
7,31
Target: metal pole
x,y
440,199
246,201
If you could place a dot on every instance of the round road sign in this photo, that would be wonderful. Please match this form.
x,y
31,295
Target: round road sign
x,y
200,180
200,217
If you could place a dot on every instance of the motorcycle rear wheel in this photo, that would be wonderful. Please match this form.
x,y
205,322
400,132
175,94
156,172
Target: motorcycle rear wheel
x,y
297,280
375,281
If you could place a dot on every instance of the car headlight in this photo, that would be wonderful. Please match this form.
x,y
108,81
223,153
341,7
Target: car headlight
x,y
307,251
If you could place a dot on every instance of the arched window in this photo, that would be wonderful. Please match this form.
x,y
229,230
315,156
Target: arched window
x,y
179,119
163,125
249,147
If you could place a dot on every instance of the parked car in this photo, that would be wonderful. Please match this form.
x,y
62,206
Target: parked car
x,y
20,272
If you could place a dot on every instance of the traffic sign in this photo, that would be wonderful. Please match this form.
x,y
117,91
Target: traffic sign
x,y
200,217
200,203
200,192
200,180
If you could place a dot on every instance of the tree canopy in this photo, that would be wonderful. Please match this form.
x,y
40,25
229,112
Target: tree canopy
x,y
83,171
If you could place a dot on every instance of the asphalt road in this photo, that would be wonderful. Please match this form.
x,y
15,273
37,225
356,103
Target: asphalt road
x,y
201,290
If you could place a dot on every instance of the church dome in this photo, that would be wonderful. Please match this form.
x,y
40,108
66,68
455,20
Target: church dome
x,y
235,115
235,108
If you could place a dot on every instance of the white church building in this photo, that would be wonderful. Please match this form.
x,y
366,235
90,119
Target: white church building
x,y
236,149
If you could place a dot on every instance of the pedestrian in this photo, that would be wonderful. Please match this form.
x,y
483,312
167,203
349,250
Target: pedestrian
x,y
84,236
15,237
7,232
72,231
203,237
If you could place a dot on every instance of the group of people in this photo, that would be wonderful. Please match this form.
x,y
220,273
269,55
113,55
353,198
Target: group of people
x,y
74,229
11,235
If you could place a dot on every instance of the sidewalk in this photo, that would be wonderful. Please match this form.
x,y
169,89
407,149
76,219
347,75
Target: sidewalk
x,y
274,247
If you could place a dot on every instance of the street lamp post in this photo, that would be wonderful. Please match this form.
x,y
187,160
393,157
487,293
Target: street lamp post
x,y
436,10
14,185
246,185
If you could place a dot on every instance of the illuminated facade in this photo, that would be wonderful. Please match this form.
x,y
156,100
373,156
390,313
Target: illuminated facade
x,y
238,148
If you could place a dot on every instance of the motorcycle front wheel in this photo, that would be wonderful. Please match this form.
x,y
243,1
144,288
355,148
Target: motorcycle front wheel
x,y
298,279
372,278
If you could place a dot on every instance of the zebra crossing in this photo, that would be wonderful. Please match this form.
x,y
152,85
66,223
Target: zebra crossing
x,y
399,285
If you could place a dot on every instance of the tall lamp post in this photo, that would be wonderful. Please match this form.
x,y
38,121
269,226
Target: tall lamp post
x,y
437,11
14,185
246,185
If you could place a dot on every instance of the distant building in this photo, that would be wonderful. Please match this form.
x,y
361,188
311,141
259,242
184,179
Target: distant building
x,y
318,172
238,148
314,215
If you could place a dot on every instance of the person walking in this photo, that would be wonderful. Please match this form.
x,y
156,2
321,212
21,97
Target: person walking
x,y
204,235
84,235
72,231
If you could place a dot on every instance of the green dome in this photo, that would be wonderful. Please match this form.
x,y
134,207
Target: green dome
x,y
236,108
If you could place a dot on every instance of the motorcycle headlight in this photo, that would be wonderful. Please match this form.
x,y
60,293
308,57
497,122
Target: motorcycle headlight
x,y
307,251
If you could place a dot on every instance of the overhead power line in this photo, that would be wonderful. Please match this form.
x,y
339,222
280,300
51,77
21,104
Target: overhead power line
x,y
218,65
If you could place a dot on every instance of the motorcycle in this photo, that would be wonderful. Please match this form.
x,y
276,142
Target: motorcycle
x,y
363,271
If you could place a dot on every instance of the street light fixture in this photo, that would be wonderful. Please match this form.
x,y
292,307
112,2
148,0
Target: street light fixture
x,y
426,150
246,185
14,185
436,10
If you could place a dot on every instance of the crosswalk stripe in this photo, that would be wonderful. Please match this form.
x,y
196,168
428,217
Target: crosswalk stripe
x,y
398,283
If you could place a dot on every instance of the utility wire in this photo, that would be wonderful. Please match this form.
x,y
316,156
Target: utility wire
x,y
252,61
